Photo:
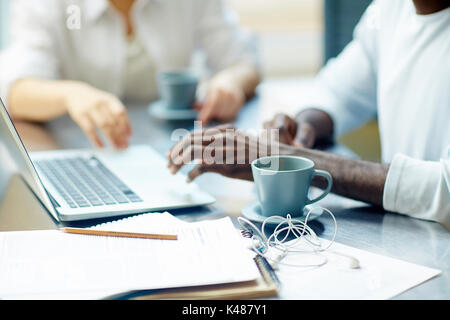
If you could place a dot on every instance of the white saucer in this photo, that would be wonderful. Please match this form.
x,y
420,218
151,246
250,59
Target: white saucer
x,y
252,211
159,110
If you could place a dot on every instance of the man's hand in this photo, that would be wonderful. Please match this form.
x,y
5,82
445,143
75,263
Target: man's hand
x,y
291,132
224,150
222,103
93,110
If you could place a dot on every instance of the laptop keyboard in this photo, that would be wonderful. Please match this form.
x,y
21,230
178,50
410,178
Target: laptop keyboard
x,y
86,182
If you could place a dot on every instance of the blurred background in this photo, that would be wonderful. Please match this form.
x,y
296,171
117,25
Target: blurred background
x,y
296,38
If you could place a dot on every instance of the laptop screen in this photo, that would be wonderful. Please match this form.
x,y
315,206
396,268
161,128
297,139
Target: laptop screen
x,y
14,161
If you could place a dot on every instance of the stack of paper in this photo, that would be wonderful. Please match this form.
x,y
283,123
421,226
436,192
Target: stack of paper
x,y
53,264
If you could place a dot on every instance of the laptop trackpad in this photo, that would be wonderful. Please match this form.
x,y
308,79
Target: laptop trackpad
x,y
145,172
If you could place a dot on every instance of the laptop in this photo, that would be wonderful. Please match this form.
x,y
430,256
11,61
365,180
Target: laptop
x,y
88,184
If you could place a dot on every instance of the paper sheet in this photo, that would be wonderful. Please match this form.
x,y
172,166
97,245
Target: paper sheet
x,y
379,277
52,264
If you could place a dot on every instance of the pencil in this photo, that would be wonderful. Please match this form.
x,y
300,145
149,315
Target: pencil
x,y
119,234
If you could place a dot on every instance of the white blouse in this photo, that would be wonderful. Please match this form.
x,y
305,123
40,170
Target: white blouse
x,y
86,40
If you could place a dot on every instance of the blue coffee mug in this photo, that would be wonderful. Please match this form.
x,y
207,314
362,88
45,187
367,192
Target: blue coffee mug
x,y
282,184
177,89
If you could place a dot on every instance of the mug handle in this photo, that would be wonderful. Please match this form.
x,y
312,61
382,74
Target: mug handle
x,y
327,176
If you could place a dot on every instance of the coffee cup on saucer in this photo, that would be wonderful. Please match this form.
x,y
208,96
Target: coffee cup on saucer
x,y
282,184
177,91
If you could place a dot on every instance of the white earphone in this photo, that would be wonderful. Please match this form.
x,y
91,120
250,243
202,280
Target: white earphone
x,y
275,249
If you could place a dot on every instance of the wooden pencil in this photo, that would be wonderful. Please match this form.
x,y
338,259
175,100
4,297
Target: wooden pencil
x,y
119,234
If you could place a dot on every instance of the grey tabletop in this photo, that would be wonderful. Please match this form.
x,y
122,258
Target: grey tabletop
x,y
361,226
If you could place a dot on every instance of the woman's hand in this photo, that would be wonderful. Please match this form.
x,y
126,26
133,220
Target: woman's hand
x,y
222,103
227,92
224,150
95,110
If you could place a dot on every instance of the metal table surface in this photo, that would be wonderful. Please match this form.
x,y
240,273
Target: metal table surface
x,y
360,226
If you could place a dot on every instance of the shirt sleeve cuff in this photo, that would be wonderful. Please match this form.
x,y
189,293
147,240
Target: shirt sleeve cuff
x,y
420,189
392,183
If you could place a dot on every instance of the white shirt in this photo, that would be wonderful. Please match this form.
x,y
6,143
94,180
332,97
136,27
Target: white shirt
x,y
398,68
48,43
